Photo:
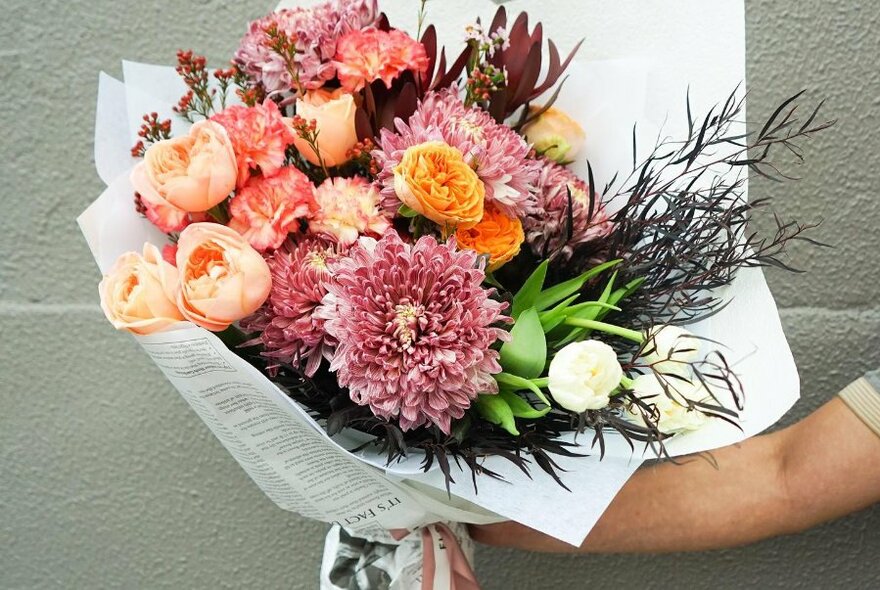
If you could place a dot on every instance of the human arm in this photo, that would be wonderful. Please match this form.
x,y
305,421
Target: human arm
x,y
819,469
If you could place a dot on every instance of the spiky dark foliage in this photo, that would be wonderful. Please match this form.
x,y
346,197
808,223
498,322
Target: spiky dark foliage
x,y
684,226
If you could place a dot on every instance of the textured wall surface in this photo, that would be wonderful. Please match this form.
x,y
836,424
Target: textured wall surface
x,y
108,480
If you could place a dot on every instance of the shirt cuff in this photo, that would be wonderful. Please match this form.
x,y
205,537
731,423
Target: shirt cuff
x,y
864,400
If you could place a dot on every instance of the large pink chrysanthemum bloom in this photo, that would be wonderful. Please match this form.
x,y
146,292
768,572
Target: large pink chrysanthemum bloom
x,y
289,328
317,30
497,153
546,225
414,327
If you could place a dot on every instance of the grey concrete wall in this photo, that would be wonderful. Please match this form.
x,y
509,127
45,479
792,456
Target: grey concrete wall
x,y
108,480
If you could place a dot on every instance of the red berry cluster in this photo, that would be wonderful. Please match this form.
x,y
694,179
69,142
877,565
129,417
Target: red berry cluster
x,y
151,131
483,82
199,99
361,154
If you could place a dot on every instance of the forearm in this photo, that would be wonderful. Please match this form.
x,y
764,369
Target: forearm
x,y
824,467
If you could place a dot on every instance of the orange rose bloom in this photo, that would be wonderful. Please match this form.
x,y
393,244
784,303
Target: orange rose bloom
x,y
497,235
434,180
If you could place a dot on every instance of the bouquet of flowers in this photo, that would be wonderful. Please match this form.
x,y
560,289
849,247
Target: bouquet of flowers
x,y
411,249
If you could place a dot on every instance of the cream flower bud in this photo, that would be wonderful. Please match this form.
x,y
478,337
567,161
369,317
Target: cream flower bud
x,y
671,349
555,135
673,416
583,374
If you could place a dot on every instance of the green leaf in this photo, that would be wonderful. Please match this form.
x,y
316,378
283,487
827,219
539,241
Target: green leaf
x,y
520,407
406,211
518,384
552,318
589,314
620,294
557,293
525,354
494,409
528,293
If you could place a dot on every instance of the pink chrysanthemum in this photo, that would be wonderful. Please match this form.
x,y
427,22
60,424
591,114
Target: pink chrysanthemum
x,y
259,138
289,328
269,207
371,54
347,208
316,31
496,152
546,225
414,327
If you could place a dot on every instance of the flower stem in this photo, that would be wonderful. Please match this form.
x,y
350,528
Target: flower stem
x,y
541,381
626,333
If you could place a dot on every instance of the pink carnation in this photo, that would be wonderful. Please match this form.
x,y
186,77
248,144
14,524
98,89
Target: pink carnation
x,y
365,56
268,208
289,329
497,153
347,208
259,137
415,329
316,31
546,225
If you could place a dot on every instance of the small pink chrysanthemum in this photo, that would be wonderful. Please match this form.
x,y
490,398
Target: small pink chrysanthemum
x,y
259,137
368,55
496,152
289,329
316,31
414,327
269,207
346,208
546,224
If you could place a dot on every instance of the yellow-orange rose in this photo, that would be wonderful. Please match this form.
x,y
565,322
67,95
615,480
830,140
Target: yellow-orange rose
x,y
333,113
555,135
138,293
434,180
222,278
191,173
496,234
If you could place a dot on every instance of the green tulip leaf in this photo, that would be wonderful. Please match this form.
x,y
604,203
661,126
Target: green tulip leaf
x,y
494,409
525,354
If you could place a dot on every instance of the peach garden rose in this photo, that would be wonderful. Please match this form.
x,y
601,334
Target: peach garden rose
x,y
222,278
186,174
496,234
138,293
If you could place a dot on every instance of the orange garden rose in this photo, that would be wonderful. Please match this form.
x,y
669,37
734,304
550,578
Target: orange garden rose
x,y
222,278
187,174
434,180
496,234
333,113
138,293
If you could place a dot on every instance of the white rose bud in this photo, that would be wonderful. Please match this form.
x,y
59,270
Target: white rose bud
x,y
583,374
671,349
674,417
555,135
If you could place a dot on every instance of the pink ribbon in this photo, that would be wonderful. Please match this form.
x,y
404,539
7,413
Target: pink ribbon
x,y
460,573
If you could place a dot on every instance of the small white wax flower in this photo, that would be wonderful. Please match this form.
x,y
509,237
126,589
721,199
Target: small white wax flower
x,y
673,416
670,349
583,374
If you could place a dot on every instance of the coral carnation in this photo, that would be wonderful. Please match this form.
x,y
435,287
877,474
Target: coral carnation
x,y
289,329
371,54
414,327
495,151
546,225
347,208
259,138
315,32
268,208
496,234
